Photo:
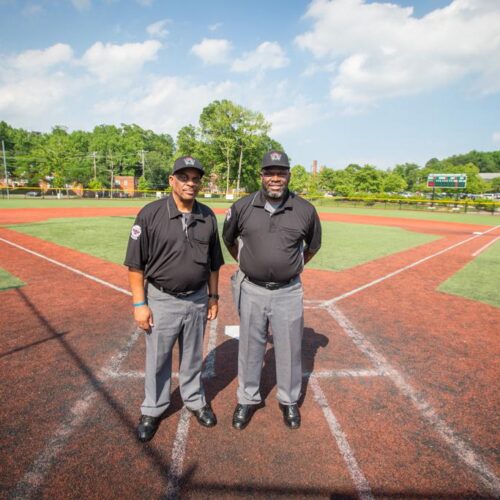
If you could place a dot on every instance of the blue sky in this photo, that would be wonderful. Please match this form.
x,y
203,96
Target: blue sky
x,y
341,81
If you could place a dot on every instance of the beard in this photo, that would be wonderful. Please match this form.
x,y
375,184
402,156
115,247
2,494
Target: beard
x,y
275,195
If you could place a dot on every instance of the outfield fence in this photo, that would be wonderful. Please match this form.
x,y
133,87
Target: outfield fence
x,y
465,205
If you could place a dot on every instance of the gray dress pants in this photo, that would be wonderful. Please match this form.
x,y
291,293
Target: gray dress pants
x,y
282,310
173,319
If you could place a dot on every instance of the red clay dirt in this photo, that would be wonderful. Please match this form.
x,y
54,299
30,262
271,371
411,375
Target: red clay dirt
x,y
68,426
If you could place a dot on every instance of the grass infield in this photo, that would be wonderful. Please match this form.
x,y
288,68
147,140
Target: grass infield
x,y
479,279
7,281
344,245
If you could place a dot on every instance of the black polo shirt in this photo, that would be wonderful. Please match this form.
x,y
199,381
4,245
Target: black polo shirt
x,y
176,259
272,244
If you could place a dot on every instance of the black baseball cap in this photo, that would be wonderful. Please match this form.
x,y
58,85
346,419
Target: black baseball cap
x,y
187,162
275,159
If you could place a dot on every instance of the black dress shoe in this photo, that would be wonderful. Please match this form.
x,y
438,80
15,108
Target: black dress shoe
x,y
147,428
205,416
291,415
242,415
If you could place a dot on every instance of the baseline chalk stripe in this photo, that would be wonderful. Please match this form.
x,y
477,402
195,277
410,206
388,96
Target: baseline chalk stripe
x,y
359,480
32,480
483,248
461,449
69,268
326,303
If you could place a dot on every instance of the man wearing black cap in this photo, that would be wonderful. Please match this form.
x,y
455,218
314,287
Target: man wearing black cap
x,y
173,256
272,233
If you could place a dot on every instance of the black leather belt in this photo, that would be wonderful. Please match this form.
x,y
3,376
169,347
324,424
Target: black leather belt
x,y
271,285
178,295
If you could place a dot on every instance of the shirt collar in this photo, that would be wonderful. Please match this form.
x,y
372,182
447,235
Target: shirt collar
x,y
259,200
174,212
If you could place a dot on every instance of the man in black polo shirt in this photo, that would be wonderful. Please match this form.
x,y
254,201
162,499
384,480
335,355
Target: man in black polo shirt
x,y
173,254
272,233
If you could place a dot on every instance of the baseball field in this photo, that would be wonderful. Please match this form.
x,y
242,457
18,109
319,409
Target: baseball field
x,y
400,366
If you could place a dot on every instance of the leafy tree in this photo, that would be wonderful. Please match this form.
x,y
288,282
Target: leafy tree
x,y
393,183
299,179
410,172
368,179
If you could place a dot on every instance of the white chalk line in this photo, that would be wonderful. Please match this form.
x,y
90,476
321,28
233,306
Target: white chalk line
x,y
461,449
483,248
69,268
357,476
181,435
35,475
326,303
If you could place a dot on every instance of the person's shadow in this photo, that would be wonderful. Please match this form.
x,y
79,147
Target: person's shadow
x,y
226,363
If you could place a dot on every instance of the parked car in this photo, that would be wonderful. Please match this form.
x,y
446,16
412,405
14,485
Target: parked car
x,y
33,193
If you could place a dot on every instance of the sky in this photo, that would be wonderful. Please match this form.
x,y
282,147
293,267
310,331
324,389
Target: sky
x,y
340,81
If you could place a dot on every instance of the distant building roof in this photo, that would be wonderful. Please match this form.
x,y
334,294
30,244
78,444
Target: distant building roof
x,y
488,176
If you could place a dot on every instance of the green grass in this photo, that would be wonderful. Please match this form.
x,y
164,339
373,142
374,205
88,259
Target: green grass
x,y
479,279
8,281
470,218
344,245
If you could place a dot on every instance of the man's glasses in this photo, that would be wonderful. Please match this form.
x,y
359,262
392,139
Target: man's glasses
x,y
185,178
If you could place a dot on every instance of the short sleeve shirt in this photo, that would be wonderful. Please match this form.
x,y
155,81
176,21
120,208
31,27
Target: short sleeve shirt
x,y
272,245
177,258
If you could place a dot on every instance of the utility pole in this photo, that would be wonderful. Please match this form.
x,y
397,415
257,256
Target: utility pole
x,y
5,169
95,168
141,152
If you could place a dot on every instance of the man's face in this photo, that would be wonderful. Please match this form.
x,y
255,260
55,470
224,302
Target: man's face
x,y
186,183
275,181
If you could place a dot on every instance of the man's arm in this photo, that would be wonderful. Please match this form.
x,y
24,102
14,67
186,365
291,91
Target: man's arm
x,y
308,256
142,313
233,250
213,289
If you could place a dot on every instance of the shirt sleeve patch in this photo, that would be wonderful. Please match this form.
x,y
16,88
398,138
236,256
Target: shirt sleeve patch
x,y
228,214
136,232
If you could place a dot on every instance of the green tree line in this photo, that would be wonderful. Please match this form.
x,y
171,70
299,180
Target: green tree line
x,y
230,141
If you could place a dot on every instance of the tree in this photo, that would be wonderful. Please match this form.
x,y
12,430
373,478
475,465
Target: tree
x,y
410,172
299,179
394,183
368,179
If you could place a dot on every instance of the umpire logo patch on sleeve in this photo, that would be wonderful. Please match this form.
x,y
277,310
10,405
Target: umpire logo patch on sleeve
x,y
136,232
228,214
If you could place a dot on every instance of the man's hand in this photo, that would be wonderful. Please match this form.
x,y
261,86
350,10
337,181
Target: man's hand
x,y
143,317
213,309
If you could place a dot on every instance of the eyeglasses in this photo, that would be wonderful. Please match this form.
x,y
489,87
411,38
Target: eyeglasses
x,y
185,178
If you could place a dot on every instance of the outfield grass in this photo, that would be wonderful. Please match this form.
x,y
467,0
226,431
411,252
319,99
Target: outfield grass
x,y
479,279
8,281
470,218
344,245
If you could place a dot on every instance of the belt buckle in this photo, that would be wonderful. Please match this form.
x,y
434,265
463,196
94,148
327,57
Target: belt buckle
x,y
182,295
272,286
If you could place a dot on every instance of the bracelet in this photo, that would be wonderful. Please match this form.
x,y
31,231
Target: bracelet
x,y
137,304
213,296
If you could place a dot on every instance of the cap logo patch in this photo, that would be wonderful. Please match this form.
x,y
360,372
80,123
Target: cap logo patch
x,y
189,161
275,156
136,232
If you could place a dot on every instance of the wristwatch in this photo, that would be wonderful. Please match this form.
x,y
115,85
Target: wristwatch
x,y
213,296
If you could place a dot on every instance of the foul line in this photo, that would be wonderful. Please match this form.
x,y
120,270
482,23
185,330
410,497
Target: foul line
x,y
69,268
327,303
181,435
477,252
355,472
461,449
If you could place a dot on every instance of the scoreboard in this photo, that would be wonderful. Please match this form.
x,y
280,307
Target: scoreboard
x,y
450,181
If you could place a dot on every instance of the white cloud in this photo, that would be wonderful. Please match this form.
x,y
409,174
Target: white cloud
x,y
212,50
110,62
33,61
215,26
496,137
166,104
268,55
384,51
158,29
81,4
145,3
295,117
